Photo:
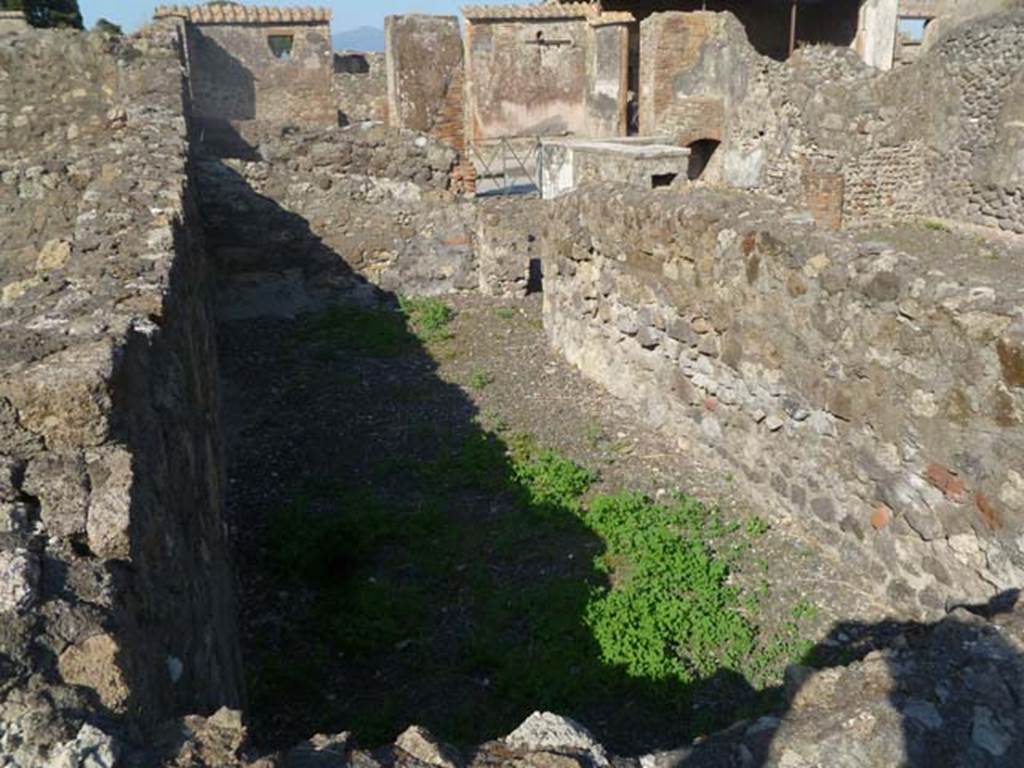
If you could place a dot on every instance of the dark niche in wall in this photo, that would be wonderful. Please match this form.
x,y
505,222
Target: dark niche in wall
x,y
351,64
701,152
281,46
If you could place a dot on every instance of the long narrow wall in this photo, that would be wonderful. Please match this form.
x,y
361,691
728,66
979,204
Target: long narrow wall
x,y
857,397
117,606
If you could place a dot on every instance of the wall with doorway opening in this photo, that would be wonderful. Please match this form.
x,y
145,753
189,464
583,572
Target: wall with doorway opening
x,y
702,152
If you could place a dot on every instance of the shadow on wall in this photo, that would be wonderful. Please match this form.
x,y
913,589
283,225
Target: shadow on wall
x,y
399,564
701,152
226,139
223,88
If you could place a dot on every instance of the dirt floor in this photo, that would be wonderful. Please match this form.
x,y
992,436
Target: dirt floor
x,y
437,601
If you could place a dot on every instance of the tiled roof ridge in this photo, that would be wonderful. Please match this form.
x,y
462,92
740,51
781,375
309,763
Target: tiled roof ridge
x,y
612,17
243,14
549,10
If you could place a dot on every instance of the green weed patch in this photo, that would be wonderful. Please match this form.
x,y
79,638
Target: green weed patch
x,y
371,332
429,319
499,582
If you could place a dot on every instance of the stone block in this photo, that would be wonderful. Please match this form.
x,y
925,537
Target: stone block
x,y
19,580
65,397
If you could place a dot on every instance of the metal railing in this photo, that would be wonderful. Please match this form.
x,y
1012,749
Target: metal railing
x,y
507,166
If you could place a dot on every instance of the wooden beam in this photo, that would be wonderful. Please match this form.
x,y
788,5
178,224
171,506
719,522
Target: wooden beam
x,y
792,26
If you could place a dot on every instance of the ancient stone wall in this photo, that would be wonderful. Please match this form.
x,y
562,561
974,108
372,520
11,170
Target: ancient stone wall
x,y
426,83
857,397
506,246
237,76
376,199
940,137
12,21
360,87
608,77
670,44
424,59
526,77
117,605
944,15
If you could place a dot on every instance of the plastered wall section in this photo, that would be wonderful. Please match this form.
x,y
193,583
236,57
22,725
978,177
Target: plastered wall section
x,y
545,77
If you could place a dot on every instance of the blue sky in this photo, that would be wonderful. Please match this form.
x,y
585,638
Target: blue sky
x,y
348,14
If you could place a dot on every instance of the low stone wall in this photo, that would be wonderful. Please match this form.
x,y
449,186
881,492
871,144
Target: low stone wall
x,y
360,87
875,395
507,247
369,200
117,605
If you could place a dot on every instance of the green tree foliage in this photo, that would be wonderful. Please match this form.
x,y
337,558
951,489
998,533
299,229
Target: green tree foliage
x,y
109,28
47,13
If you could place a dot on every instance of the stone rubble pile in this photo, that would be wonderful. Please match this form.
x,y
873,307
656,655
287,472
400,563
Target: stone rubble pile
x,y
948,693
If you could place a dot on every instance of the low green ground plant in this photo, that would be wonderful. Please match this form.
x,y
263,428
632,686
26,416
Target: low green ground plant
x,y
465,586
371,332
479,380
649,613
674,615
429,318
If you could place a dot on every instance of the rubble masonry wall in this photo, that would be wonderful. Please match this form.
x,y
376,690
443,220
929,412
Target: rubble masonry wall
x,y
941,137
874,405
117,600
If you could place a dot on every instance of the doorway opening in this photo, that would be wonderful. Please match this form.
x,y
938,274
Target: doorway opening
x,y
701,152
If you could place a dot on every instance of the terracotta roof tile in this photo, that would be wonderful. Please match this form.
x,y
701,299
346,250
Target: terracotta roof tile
x,y
243,14
546,11
612,17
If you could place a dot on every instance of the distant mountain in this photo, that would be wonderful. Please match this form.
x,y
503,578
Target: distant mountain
x,y
360,39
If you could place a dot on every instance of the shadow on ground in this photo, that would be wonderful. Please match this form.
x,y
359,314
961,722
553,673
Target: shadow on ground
x,y
401,563
912,694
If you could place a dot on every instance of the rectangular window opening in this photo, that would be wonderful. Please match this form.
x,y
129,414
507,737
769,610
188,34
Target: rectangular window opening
x,y
661,180
912,30
281,46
